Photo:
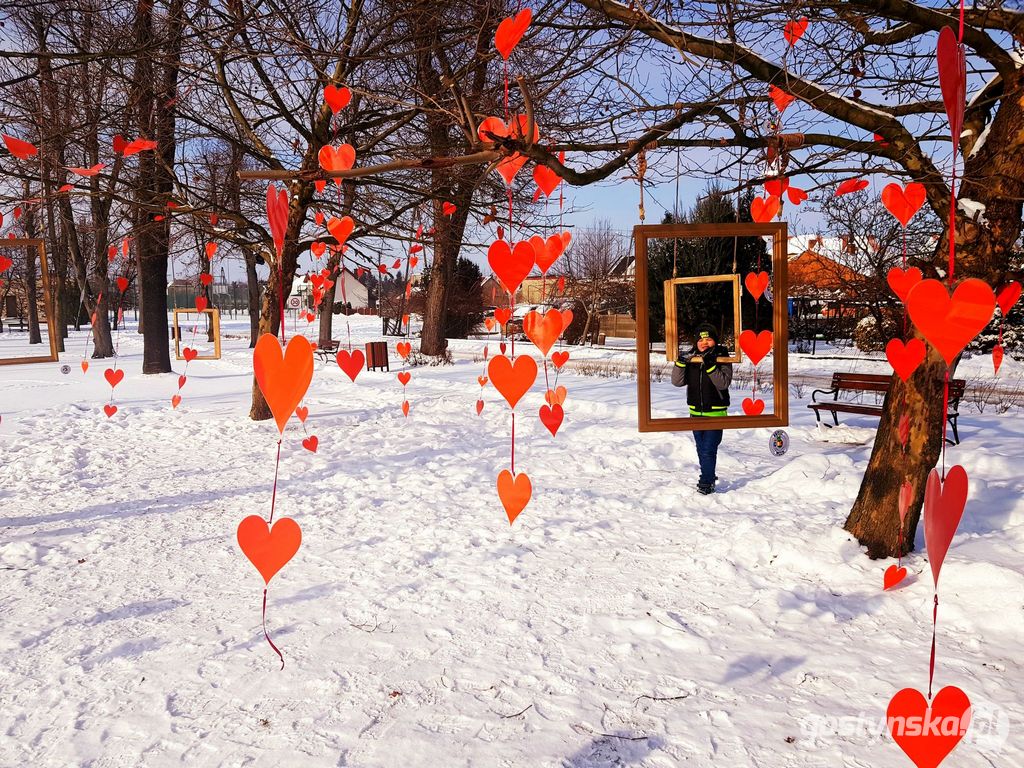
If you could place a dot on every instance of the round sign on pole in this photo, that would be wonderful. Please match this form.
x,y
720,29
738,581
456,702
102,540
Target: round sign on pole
x,y
65,369
778,443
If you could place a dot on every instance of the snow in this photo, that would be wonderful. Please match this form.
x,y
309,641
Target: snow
x,y
974,210
623,620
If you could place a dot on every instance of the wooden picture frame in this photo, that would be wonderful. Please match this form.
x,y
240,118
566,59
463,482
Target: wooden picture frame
x,y
779,417
671,313
48,299
215,314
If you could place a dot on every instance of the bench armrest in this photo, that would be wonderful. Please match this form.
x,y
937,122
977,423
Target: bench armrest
x,y
833,392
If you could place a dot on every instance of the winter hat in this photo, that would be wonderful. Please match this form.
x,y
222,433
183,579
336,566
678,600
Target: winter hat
x,y
706,330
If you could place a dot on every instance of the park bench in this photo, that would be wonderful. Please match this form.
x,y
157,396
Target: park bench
x,y
870,382
328,350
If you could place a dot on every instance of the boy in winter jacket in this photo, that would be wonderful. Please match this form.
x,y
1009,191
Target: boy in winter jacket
x,y
707,394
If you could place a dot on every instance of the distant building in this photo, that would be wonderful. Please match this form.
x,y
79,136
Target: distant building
x,y
347,289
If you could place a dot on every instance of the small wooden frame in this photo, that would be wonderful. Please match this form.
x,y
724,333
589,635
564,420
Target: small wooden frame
x,y
215,314
40,245
780,415
671,314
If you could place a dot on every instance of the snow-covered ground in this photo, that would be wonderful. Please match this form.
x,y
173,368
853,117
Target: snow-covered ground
x,y
622,621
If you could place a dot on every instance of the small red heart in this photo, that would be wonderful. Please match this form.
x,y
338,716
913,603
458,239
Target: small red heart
x,y
997,357
551,417
851,185
340,158
794,30
927,734
119,144
337,98
503,315
479,407
753,407
1007,297
903,202
113,377
780,98
510,31
901,281
515,492
796,195
311,443
351,362
403,348
85,366
558,359
269,549
763,210
122,284
175,400
211,251
404,377
109,409
201,303
302,412
189,354
756,282
181,381
482,380
206,278
448,208
5,263
405,408
893,576
756,346
904,429
904,358
944,502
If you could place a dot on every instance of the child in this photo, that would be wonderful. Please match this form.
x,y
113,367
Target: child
x,y
707,393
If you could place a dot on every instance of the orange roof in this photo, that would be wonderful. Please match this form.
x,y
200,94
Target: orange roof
x,y
812,274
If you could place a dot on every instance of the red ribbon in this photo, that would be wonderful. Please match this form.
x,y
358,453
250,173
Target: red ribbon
x,y
277,650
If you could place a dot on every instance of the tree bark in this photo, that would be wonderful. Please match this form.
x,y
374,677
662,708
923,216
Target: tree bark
x,y
253,286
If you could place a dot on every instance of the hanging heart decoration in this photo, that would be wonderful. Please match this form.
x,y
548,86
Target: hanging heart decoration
x,y
752,407
351,362
780,98
511,265
558,359
404,349
763,210
893,575
311,443
337,98
756,282
952,62
113,377
551,417
796,195
543,330
794,30
944,502
510,31
493,129
949,323
268,548
756,345
340,158
926,733
851,185
514,492
277,214
503,315
110,409
283,376
903,202
21,149
901,281
546,179
512,380
5,263
997,357
1007,297
556,396
905,358
341,228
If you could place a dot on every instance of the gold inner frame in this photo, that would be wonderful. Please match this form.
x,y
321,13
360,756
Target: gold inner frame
x,y
48,300
780,318
215,314
671,314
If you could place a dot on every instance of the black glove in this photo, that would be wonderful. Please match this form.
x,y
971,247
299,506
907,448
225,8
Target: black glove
x,y
710,357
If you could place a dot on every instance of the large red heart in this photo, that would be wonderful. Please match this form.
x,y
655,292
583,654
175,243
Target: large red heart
x,y
546,179
512,380
510,32
122,284
514,492
944,502
763,210
551,417
339,158
903,202
775,187
904,358
269,549
893,575
113,377
404,349
511,265
277,214
780,98
543,330
901,281
547,251
756,282
337,98
756,346
952,61
949,323
206,279
1007,297
794,30
753,407
928,734
283,376
341,228
351,362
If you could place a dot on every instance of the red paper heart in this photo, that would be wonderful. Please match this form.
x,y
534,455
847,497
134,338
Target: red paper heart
x,y
753,407
269,549
794,30
122,284
763,210
113,377
546,179
903,202
5,263
952,63
189,354
558,359
1008,296
175,401
447,209
780,98
311,443
119,144
514,492
404,377
283,376
556,396
904,429
510,32
301,413
403,348
512,380
906,496
85,366
341,228
351,363
902,281
756,282
340,158
405,408
551,417
201,303
109,409
22,150
904,358
950,323
211,251
928,734
796,195
511,265
543,330
479,407
206,278
337,98
944,502
317,248
997,357
775,187
893,575
502,315
851,185
493,127
277,214
756,346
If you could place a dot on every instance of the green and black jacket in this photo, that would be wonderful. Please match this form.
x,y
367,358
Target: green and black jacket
x,y
707,387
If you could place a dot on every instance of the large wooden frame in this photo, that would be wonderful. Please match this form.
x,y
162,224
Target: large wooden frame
x,y
780,415
671,313
47,301
215,314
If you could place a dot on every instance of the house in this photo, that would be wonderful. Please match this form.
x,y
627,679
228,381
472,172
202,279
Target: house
x,y
822,277
347,289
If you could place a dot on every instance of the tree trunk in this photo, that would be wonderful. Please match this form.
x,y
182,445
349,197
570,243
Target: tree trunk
x,y
253,285
327,302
